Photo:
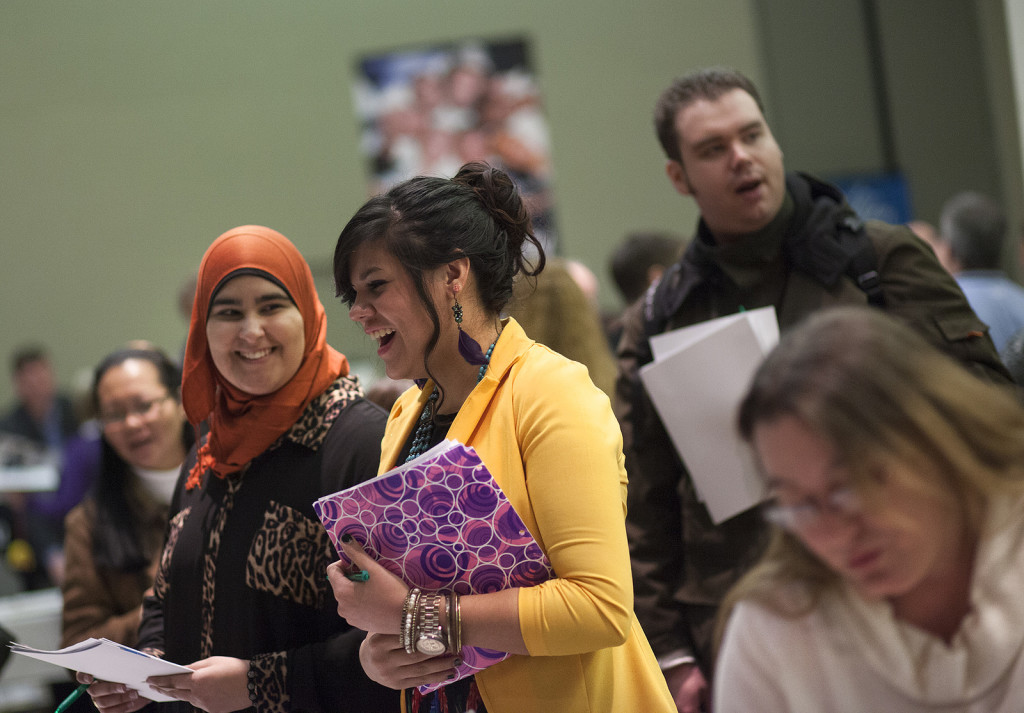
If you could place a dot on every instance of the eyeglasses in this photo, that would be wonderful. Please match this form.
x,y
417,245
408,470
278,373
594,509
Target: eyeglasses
x,y
143,409
809,515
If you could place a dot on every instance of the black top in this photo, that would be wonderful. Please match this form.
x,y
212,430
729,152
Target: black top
x,y
439,429
457,693
243,573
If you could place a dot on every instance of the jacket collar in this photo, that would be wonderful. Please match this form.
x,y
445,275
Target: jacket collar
x,y
512,344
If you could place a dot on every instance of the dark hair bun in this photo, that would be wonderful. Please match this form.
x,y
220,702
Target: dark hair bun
x,y
501,199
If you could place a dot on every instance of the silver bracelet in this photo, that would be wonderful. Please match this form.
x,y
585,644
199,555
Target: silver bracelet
x,y
455,626
448,613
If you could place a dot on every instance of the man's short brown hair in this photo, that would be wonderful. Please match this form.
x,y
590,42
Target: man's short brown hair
x,y
709,83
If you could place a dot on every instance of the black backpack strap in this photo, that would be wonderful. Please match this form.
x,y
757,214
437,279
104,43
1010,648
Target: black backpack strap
x,y
665,298
862,267
835,246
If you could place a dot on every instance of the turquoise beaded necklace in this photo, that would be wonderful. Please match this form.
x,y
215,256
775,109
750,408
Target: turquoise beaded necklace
x,y
421,441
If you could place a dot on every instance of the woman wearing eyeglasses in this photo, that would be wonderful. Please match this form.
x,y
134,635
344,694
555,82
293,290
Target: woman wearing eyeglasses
x,y
113,538
895,579
241,595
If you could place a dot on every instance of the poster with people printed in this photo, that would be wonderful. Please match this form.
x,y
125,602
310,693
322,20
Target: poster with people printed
x,y
428,110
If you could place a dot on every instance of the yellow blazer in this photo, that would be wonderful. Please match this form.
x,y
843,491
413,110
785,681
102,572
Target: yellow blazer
x,y
549,437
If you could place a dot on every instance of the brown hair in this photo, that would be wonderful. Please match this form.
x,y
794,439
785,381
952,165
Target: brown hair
x,y
555,312
709,83
881,396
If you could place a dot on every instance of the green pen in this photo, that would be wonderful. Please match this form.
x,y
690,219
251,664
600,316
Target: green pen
x,y
72,697
360,576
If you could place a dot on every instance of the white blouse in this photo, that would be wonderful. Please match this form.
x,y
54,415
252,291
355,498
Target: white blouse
x,y
852,655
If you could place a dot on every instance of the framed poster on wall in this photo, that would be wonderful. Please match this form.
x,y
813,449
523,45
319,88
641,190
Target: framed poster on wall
x,y
428,110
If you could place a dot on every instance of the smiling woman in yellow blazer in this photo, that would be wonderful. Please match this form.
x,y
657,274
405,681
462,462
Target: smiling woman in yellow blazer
x,y
432,247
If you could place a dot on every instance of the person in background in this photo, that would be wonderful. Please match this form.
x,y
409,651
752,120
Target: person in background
x,y
426,269
765,238
641,259
896,482
638,262
586,279
240,594
186,294
34,432
927,232
113,539
973,226
384,392
42,414
554,311
1013,356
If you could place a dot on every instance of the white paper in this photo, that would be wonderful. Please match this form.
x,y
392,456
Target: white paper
x,y
696,382
109,661
762,321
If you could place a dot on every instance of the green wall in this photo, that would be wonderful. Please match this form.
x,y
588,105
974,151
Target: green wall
x,y
133,133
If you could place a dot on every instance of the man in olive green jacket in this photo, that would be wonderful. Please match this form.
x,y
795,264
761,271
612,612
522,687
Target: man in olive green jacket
x,y
765,237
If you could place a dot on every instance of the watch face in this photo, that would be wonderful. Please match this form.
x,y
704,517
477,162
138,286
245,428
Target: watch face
x,y
430,646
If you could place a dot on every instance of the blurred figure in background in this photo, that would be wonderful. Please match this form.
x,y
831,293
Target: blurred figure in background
x,y
640,260
385,391
34,433
43,415
636,264
973,227
927,232
554,311
186,294
113,539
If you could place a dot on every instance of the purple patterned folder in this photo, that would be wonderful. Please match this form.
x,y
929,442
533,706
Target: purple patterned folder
x,y
441,523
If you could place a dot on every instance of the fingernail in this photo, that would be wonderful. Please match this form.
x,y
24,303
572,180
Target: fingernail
x,y
451,676
346,538
458,662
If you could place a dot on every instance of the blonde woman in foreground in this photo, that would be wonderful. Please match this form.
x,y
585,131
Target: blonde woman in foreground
x,y
895,579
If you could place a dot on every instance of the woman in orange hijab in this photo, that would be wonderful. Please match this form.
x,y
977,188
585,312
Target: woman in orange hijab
x,y
241,596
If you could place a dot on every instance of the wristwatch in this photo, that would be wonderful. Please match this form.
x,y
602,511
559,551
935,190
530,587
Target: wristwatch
x,y
431,639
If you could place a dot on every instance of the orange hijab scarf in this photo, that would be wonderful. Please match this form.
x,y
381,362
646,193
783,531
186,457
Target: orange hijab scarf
x,y
241,425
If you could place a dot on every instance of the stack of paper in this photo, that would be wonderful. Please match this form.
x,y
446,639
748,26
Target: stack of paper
x,y
109,661
696,381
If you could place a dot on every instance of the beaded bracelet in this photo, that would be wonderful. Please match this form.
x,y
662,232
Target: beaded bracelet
x,y
402,627
409,616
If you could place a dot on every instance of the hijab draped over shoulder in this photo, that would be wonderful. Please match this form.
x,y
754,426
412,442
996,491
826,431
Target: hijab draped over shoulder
x,y
241,425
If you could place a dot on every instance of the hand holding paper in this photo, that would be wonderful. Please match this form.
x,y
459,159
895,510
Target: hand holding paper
x,y
109,661
217,683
